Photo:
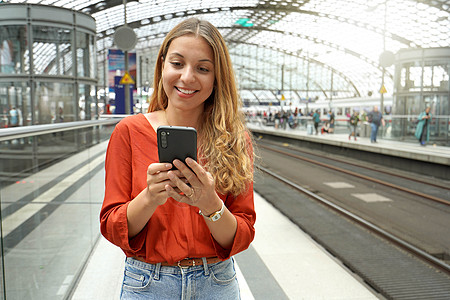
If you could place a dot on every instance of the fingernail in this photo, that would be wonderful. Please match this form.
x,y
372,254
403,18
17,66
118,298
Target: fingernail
x,y
168,165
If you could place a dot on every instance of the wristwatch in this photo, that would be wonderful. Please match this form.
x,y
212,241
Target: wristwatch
x,y
215,216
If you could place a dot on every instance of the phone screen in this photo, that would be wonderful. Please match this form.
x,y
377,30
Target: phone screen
x,y
176,142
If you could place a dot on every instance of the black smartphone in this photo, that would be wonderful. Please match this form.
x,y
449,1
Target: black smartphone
x,y
176,142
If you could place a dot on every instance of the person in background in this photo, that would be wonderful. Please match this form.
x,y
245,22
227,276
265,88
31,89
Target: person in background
x,y
277,119
325,128
13,117
332,122
423,126
180,228
375,118
60,115
82,114
354,119
316,120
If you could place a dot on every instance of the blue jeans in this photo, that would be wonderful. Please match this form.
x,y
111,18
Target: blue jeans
x,y
153,281
374,132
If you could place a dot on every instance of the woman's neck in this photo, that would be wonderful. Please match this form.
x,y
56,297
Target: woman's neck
x,y
182,118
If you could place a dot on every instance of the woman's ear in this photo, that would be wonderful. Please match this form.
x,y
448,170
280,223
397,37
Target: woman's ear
x,y
162,63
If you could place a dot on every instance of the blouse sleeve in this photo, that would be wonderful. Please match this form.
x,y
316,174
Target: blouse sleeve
x,y
242,207
118,190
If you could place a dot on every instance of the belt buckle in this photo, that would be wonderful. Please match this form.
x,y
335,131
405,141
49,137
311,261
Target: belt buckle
x,y
186,259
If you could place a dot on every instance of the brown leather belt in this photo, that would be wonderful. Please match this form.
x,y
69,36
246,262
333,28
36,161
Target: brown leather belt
x,y
187,262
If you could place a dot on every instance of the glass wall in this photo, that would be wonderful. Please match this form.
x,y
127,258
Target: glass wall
x,y
49,182
422,80
51,190
48,64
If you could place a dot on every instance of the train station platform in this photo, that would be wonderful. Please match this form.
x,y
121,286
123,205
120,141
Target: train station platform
x,y
431,159
282,263
53,248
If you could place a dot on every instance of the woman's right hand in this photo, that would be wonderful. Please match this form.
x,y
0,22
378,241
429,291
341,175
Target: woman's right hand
x,y
157,179
141,208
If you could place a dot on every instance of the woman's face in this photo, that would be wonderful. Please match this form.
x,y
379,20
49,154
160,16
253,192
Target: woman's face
x,y
188,72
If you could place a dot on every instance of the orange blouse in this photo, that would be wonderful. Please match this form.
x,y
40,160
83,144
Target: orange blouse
x,y
176,230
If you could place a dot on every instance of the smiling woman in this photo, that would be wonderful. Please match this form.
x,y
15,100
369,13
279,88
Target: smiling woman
x,y
192,219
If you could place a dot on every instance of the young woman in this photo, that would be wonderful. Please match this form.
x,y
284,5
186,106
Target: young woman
x,y
180,228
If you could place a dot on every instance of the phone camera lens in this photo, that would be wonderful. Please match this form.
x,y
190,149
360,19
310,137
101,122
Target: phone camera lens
x,y
163,139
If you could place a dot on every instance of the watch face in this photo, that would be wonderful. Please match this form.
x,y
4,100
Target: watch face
x,y
215,217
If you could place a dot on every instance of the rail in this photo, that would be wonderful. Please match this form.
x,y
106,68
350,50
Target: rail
x,y
35,130
367,250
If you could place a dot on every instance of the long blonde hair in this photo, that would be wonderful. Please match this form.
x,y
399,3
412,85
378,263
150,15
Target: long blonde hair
x,y
226,150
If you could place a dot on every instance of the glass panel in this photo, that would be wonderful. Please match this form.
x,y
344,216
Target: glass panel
x,y
50,200
441,75
427,76
439,129
435,76
85,56
52,50
15,107
13,49
55,102
86,102
92,57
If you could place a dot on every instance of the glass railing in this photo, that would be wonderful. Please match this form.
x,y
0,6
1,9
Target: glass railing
x,y
396,127
51,190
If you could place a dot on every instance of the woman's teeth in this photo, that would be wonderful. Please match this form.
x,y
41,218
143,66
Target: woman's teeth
x,y
186,91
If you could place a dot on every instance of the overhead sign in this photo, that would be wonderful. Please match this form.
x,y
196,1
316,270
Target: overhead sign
x,y
127,79
116,66
383,90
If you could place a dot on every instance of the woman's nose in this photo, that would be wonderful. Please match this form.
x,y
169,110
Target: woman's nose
x,y
187,74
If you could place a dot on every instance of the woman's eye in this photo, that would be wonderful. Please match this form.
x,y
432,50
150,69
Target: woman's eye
x,y
205,70
175,63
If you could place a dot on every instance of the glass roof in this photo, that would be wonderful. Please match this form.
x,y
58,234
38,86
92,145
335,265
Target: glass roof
x,y
304,49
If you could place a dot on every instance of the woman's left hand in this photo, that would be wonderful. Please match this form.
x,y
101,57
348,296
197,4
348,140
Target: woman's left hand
x,y
201,189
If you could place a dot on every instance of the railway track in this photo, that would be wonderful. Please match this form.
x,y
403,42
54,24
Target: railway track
x,y
391,266
388,261
437,188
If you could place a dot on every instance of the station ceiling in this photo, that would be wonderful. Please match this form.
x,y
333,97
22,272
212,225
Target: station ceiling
x,y
317,49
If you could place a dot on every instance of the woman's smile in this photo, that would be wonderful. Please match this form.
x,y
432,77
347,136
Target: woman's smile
x,y
185,91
